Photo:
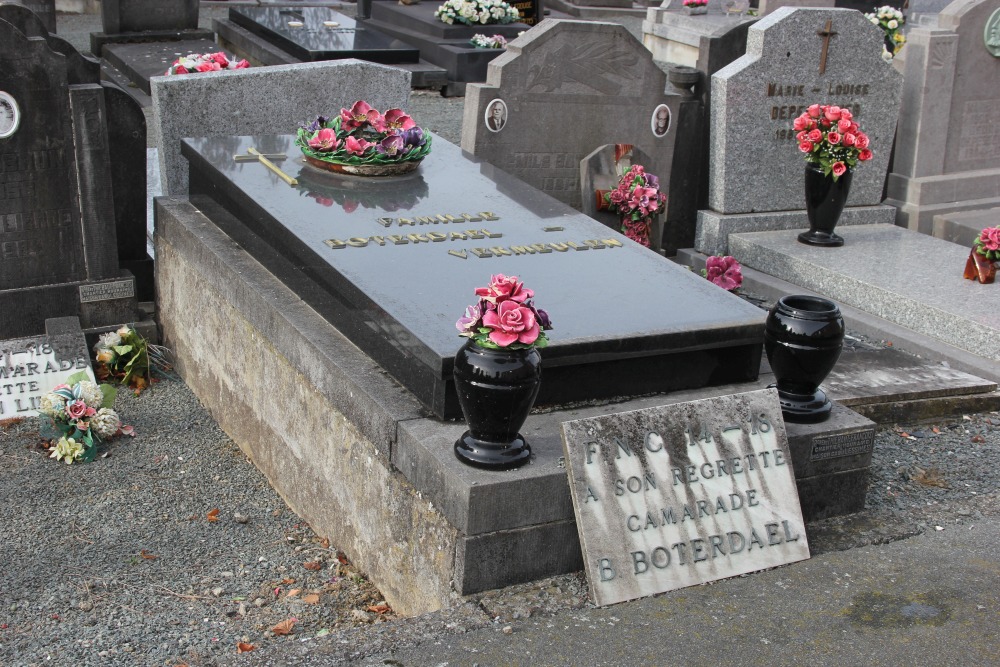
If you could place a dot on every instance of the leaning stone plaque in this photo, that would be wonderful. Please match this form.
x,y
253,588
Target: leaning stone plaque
x,y
683,494
31,367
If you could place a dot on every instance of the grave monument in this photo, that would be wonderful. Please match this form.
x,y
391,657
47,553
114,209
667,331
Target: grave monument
x,y
45,10
948,142
57,218
594,79
795,57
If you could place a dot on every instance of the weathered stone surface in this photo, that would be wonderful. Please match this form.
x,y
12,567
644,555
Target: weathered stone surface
x,y
680,495
270,100
138,15
45,10
864,274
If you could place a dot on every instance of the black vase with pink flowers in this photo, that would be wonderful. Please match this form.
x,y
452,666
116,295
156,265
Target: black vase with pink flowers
x,y
498,372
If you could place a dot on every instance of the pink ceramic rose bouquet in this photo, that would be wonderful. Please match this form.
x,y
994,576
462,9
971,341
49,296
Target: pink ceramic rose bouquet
x,y
988,243
637,198
725,272
984,255
505,316
208,62
831,139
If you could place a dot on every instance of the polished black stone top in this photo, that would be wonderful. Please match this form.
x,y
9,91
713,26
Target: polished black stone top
x,y
319,33
394,261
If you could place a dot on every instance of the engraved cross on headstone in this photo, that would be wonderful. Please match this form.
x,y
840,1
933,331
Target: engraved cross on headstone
x,y
826,33
265,159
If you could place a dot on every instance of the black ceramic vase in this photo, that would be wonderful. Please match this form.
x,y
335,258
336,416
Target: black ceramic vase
x,y
803,337
825,200
496,389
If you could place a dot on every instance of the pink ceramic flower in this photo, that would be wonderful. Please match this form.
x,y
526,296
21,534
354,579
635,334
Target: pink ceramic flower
x,y
511,323
357,146
358,115
220,58
395,119
805,146
76,409
504,288
725,272
990,238
839,168
864,155
324,140
243,64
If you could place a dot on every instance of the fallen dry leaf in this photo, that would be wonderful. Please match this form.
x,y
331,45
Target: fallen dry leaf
x,y
978,438
312,598
213,515
243,647
379,608
325,543
287,580
294,592
342,558
930,477
313,565
148,556
285,627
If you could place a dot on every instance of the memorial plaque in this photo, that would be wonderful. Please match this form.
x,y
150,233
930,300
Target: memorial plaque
x,y
319,33
31,367
797,57
393,263
683,494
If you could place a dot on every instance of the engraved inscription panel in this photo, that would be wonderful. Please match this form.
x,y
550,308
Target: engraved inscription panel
x,y
846,444
119,289
980,138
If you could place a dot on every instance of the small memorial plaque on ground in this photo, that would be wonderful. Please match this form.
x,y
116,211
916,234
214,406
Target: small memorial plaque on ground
x,y
683,494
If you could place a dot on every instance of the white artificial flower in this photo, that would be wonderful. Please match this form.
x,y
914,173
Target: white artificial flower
x,y
105,423
52,405
91,394
886,55
893,24
66,449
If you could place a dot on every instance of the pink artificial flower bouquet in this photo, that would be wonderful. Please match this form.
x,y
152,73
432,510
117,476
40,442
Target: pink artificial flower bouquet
x,y
636,199
831,139
505,317
725,272
208,62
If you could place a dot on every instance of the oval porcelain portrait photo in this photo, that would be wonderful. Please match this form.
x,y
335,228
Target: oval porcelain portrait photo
x,y
10,115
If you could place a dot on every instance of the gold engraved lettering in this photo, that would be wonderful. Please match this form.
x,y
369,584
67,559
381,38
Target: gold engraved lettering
x,y
417,238
577,246
451,218
593,243
497,250
481,252
436,236
336,244
398,240
523,250
491,235
357,242
541,247
378,239
405,221
471,218
441,218
424,220
559,247
488,215
461,254
385,222
475,234
612,243
457,236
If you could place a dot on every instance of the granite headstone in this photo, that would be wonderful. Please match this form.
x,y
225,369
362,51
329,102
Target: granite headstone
x,y
57,224
683,494
948,141
454,222
795,57
118,16
559,92
79,68
270,100
45,10
771,6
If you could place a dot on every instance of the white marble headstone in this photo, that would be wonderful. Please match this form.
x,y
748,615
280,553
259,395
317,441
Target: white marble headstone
x,y
679,495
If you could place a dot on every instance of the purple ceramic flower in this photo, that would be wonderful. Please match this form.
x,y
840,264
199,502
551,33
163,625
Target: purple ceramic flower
x,y
468,324
391,145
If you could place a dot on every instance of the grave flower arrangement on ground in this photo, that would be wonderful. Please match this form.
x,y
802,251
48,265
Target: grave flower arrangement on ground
x,y
696,6
981,264
833,145
723,271
480,41
891,20
365,142
476,12
637,199
207,62
498,372
77,417
127,358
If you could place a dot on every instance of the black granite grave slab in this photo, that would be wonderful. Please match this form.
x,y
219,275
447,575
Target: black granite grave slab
x,y
393,262
119,16
141,61
319,33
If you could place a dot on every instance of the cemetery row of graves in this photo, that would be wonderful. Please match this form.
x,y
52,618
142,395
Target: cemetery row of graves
x,y
315,243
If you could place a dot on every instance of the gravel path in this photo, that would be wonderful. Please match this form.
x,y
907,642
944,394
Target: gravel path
x,y
117,563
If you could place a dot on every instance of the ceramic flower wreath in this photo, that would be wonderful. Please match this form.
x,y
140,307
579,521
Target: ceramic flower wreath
x,y
362,135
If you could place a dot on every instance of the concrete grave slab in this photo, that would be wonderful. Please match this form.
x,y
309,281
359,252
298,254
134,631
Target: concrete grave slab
x,y
874,272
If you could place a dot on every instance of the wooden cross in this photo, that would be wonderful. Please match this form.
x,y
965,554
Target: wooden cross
x,y
826,34
264,159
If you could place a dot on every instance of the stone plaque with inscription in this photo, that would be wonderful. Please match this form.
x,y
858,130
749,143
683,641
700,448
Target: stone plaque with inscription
x,y
31,367
394,261
683,494
569,88
797,57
